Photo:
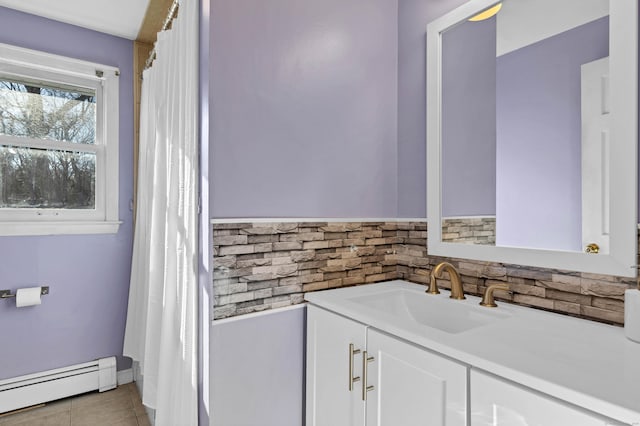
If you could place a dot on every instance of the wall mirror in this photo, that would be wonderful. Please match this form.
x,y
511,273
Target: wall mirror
x,y
532,123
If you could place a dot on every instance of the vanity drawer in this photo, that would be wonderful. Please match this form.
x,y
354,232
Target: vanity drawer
x,y
497,402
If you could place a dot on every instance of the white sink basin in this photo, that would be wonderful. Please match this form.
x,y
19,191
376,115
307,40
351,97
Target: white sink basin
x,y
435,311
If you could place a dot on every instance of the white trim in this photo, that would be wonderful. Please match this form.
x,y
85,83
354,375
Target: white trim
x,y
623,49
50,62
104,81
33,389
125,376
488,216
45,144
222,321
58,228
111,139
306,220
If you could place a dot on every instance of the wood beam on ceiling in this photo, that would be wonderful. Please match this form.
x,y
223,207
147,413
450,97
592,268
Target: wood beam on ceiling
x,y
157,12
141,52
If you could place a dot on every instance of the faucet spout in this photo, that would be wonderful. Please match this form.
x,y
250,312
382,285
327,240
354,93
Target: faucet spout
x,y
487,298
456,283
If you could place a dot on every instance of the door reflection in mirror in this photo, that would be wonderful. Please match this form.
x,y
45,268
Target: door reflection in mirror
x,y
513,172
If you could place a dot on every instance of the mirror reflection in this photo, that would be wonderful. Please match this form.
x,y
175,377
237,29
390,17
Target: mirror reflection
x,y
525,116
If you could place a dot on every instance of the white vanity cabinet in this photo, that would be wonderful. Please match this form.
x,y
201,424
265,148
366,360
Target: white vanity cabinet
x,y
440,362
329,402
412,386
496,402
407,385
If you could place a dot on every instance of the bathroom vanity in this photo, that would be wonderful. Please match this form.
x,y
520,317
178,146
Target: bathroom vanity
x,y
390,354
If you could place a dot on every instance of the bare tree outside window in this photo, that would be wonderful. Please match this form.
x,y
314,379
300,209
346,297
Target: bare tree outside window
x,y
37,177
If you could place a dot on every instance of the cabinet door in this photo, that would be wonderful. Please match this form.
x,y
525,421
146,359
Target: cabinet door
x,y
412,386
329,400
495,402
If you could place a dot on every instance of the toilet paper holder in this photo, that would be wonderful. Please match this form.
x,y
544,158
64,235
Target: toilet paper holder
x,y
6,294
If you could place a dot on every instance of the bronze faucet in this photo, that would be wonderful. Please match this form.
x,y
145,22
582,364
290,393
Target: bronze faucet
x,y
456,283
487,299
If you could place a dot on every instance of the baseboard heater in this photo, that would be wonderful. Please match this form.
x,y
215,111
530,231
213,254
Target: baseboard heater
x,y
33,389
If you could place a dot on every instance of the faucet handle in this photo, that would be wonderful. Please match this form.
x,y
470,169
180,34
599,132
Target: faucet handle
x,y
433,285
487,298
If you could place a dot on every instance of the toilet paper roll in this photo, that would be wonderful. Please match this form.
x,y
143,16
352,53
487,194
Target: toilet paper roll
x,y
28,297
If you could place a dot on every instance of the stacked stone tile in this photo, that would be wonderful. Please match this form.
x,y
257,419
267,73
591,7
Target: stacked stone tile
x,y
259,266
477,230
584,295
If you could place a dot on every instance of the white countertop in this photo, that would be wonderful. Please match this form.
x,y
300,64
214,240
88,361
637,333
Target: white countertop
x,y
585,363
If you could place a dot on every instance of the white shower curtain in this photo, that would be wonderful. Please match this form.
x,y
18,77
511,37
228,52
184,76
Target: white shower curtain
x,y
161,332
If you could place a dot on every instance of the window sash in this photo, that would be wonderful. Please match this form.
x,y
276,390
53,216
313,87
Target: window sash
x,y
52,70
18,73
50,145
98,148
35,213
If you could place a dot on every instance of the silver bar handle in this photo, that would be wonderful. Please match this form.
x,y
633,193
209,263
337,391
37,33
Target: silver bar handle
x,y
365,364
352,352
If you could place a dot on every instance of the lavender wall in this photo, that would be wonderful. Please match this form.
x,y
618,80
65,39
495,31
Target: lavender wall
x,y
259,354
413,17
83,317
539,138
469,119
303,110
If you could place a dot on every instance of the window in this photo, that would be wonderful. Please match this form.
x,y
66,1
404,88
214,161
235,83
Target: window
x,y
58,145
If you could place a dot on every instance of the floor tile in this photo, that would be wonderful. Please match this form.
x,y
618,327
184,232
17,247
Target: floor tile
x,y
57,419
143,420
118,395
138,407
37,414
111,411
129,421
118,407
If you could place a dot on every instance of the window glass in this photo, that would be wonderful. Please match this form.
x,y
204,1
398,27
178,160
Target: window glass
x,y
42,111
59,126
46,179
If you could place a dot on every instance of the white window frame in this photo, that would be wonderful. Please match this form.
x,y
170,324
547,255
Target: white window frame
x,y
34,65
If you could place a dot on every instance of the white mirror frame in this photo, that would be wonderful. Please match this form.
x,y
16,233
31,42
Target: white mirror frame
x,y
623,57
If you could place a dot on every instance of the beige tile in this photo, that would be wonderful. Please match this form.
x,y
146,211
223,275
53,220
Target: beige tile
x,y
108,408
55,419
129,421
106,415
35,414
138,407
119,407
120,395
139,410
131,387
143,420
119,402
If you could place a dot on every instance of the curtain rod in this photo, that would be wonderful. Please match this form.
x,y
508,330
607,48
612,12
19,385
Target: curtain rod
x,y
173,13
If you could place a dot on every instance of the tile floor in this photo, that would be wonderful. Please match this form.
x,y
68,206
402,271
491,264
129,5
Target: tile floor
x,y
118,407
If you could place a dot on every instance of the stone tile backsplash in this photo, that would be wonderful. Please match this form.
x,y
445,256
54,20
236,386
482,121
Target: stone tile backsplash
x,y
259,266
477,230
